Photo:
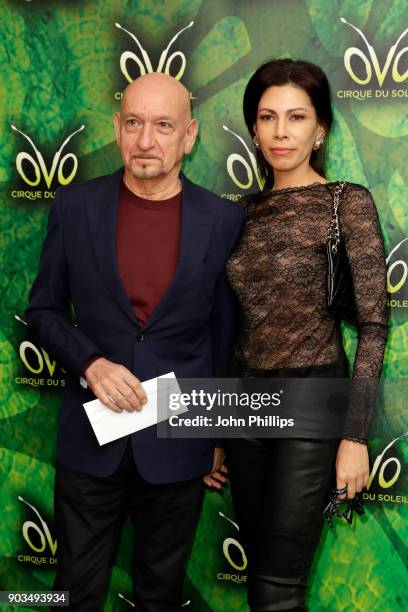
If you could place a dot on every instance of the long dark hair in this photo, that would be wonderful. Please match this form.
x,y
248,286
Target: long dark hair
x,y
303,74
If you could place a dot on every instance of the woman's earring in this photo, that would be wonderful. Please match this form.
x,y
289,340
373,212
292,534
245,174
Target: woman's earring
x,y
256,142
318,143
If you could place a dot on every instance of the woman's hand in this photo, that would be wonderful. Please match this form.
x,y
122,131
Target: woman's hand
x,y
352,467
217,477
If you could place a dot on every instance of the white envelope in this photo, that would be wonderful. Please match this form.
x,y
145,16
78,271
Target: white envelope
x,y
109,425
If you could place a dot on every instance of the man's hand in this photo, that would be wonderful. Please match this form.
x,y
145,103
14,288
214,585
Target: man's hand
x,y
115,386
352,467
215,479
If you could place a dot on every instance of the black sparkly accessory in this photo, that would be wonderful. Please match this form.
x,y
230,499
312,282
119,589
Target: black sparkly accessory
x,y
352,505
340,291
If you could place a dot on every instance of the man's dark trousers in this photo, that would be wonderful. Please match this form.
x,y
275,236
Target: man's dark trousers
x,y
164,518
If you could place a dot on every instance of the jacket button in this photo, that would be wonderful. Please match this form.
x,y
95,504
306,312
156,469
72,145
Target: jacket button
x,y
141,338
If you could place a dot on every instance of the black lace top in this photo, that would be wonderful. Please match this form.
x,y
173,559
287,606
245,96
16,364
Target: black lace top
x,y
278,271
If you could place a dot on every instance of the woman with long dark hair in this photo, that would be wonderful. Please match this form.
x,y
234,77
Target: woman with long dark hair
x,y
279,271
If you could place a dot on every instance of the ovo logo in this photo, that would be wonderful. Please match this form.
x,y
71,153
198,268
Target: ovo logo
x,y
42,531
36,359
39,167
232,542
379,467
40,356
399,264
145,65
371,61
250,168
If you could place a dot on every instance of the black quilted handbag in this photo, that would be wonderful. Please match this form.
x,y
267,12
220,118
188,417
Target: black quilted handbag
x,y
340,291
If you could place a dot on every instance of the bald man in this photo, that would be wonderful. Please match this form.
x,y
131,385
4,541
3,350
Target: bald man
x,y
130,286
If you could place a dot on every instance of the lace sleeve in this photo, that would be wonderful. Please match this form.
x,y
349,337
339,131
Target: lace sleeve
x,y
361,230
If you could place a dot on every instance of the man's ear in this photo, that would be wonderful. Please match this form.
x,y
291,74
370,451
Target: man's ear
x,y
191,135
116,125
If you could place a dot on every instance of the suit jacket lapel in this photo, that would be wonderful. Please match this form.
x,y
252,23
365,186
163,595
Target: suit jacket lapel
x,y
197,219
102,210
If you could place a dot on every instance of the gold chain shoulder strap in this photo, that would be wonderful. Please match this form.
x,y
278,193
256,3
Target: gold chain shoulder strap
x,y
333,233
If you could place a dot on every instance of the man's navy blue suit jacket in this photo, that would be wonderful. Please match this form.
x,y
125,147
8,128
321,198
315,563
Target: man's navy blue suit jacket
x,y
78,307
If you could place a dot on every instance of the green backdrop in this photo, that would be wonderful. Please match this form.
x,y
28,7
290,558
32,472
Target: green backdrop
x,y
64,66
